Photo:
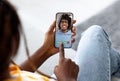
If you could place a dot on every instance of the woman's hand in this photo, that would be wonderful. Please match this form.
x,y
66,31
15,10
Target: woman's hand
x,y
67,70
49,39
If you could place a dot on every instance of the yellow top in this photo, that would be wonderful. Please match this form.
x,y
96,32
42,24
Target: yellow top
x,y
18,75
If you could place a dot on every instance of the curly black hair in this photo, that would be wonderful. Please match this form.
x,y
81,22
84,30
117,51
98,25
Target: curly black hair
x,y
66,17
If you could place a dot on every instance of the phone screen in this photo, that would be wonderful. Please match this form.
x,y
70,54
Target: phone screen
x,y
63,29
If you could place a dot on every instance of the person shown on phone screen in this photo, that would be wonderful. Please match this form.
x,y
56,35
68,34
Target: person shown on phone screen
x,y
64,24
64,31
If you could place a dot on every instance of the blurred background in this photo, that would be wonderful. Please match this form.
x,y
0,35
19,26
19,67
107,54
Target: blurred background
x,y
37,15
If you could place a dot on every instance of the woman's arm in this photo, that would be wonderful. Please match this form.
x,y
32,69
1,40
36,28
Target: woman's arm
x,y
42,53
45,51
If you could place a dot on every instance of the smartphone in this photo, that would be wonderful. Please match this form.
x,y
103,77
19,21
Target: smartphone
x,y
63,29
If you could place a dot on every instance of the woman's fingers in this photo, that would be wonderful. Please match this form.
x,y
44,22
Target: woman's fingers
x,y
61,53
73,40
74,21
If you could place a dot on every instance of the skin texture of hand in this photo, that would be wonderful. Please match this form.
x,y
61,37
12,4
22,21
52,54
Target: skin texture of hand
x,y
49,39
67,70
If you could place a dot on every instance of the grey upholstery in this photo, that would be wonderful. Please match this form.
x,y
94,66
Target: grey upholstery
x,y
109,19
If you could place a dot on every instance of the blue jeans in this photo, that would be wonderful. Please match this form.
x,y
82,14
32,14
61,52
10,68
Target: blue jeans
x,y
97,60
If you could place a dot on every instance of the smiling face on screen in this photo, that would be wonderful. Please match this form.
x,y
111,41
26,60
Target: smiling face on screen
x,y
64,25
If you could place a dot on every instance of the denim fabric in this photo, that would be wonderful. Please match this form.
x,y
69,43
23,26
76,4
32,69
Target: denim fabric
x,y
97,60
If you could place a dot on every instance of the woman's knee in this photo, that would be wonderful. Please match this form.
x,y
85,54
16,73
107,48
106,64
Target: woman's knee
x,y
95,31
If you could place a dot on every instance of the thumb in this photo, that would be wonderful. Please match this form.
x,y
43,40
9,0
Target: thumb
x,y
51,29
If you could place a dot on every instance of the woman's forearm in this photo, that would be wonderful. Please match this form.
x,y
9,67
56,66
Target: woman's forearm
x,y
36,59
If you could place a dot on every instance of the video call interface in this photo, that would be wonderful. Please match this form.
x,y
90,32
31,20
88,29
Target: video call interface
x,y
63,30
